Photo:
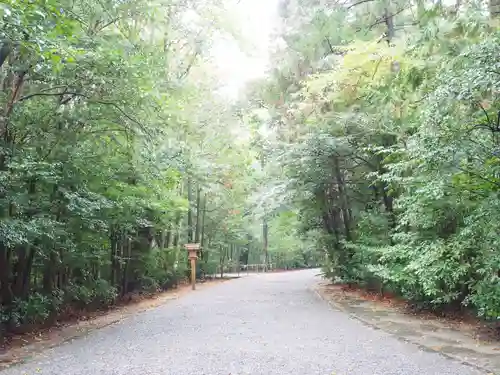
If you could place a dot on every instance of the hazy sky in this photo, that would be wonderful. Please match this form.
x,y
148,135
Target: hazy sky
x,y
255,19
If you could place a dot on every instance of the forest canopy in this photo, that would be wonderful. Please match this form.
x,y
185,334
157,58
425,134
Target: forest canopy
x,y
384,122
116,150
370,146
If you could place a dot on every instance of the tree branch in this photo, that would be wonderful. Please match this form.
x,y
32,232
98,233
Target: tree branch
x,y
44,92
116,106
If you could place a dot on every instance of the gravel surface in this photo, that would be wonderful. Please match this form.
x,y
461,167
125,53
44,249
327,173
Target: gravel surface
x,y
260,325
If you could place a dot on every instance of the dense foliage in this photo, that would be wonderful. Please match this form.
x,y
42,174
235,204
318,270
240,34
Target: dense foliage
x,y
373,143
115,152
383,130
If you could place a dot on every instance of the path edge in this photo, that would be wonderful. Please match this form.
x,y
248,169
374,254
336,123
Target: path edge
x,y
316,289
9,360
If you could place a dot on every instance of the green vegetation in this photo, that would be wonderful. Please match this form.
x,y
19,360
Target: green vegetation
x,y
373,143
384,126
114,153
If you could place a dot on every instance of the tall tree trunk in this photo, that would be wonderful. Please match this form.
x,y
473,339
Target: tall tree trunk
x,y
127,245
178,220
175,242
265,229
168,236
494,8
388,204
390,34
120,257
336,222
204,252
198,216
49,273
27,272
389,22
6,294
25,253
343,199
231,246
205,255
163,239
223,252
11,89
265,241
50,268
21,267
190,212
113,239
203,216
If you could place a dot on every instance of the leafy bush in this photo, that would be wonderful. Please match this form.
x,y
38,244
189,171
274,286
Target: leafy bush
x,y
36,309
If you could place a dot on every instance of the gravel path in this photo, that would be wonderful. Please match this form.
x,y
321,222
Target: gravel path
x,y
260,325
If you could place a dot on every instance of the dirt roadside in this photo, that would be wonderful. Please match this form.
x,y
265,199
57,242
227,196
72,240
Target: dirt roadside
x,y
454,339
24,347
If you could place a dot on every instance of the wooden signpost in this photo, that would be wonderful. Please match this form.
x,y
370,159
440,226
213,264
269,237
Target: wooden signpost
x,y
193,249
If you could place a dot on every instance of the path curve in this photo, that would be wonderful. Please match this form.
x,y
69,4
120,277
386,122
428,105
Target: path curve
x,y
266,324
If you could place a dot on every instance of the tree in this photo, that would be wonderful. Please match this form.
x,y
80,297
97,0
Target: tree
x,y
380,121
109,155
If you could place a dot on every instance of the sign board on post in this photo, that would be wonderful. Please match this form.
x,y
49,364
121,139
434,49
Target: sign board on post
x,y
193,249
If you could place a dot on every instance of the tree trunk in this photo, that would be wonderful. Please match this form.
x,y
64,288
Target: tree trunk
x,y
168,236
178,219
343,199
389,22
231,246
265,240
190,212
198,216
388,204
204,252
113,238
49,273
494,8
126,266
5,272
163,239
22,270
27,273
222,259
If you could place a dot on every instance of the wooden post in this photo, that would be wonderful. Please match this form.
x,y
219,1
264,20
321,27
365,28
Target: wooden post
x,y
193,249
193,273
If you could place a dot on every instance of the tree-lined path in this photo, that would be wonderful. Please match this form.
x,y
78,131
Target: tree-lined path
x,y
261,324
